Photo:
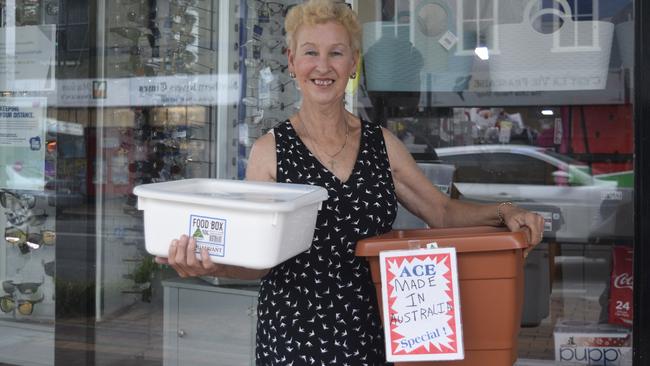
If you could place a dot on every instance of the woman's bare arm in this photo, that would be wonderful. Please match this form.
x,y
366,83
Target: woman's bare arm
x,y
417,194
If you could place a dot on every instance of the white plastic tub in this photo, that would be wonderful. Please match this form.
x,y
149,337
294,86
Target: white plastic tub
x,y
250,224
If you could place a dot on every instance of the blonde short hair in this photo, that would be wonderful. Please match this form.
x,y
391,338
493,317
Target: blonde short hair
x,y
319,12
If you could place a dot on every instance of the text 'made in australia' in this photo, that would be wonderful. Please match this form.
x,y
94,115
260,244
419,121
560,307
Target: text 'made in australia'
x,y
421,305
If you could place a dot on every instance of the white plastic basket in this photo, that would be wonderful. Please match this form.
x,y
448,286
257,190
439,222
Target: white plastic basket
x,y
249,224
574,57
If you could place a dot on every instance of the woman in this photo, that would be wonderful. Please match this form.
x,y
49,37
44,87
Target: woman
x,y
320,306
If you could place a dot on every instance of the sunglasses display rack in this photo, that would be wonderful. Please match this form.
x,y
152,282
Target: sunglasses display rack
x,y
28,244
268,95
155,142
27,249
160,37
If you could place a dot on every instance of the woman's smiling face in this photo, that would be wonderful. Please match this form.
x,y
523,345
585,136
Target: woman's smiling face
x,y
322,61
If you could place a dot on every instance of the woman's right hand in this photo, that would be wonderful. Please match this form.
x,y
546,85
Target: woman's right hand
x,y
181,257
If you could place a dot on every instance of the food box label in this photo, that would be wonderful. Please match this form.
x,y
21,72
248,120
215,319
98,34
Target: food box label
x,y
210,233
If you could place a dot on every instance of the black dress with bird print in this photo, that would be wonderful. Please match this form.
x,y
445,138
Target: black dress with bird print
x,y
320,307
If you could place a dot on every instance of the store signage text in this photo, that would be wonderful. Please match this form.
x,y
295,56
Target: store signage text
x,y
606,356
537,83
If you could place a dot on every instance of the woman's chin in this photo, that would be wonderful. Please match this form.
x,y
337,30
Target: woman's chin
x,y
323,96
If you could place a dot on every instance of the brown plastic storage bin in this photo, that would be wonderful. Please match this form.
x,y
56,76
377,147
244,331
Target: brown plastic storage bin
x,y
490,270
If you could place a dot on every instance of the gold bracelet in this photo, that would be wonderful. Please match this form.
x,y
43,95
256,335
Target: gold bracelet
x,y
501,219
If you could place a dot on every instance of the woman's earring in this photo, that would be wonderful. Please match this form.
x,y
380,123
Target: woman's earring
x,y
292,74
353,75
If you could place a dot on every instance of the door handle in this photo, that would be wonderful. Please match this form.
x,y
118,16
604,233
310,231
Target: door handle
x,y
181,333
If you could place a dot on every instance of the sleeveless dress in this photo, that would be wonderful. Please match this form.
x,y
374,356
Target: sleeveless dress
x,y
320,307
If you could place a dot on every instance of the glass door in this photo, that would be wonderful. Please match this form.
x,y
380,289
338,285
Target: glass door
x,y
529,101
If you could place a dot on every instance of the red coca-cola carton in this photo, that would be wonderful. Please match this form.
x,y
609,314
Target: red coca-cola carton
x,y
621,285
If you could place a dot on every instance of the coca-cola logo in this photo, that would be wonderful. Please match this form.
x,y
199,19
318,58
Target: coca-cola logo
x,y
624,280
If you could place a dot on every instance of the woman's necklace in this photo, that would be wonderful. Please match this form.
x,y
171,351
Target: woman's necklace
x,y
332,160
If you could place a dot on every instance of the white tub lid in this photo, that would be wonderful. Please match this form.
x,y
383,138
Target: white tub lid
x,y
260,196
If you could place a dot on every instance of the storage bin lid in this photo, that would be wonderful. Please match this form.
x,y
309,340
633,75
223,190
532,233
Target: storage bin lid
x,y
258,196
464,239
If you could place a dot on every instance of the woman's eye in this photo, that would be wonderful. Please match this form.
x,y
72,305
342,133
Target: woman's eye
x,y
310,53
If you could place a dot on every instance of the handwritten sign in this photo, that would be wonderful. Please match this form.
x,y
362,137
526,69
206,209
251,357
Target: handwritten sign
x,y
421,305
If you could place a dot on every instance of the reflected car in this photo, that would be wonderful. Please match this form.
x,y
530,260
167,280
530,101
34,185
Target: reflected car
x,y
576,205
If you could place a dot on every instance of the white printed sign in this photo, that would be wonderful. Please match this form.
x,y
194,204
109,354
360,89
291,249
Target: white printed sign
x,y
22,143
222,89
27,58
421,305
210,233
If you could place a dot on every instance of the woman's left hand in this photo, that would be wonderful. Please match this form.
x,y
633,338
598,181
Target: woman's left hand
x,y
518,219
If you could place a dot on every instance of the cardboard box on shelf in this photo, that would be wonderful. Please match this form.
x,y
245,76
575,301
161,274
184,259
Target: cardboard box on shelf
x,y
621,286
591,343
